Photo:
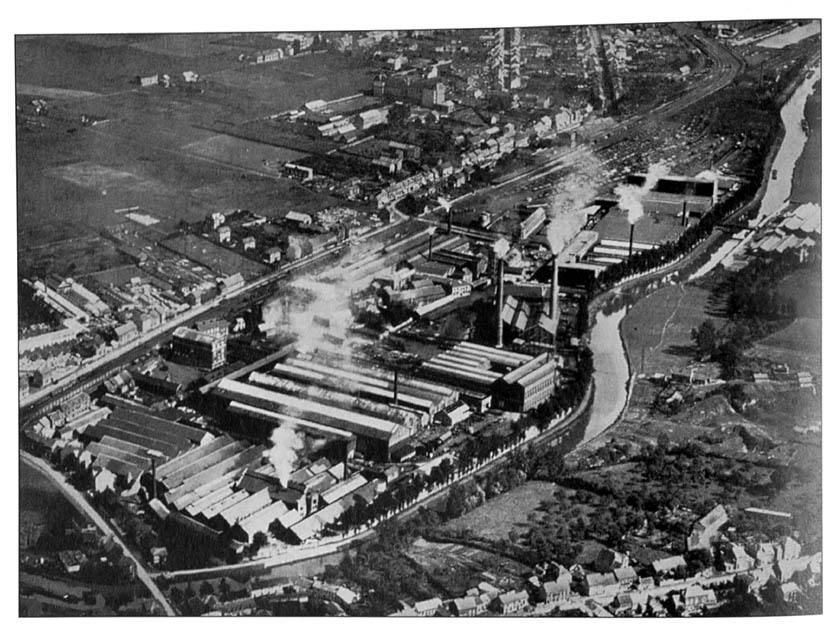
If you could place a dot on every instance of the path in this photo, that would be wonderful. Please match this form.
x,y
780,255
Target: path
x,y
80,502
670,317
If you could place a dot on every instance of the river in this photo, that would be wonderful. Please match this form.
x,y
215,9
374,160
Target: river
x,y
795,35
611,373
794,149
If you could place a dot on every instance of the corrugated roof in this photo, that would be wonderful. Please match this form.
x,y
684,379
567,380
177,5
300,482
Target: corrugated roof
x,y
342,418
191,456
343,488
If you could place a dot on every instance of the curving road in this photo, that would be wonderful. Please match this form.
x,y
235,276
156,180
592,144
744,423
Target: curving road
x,y
80,502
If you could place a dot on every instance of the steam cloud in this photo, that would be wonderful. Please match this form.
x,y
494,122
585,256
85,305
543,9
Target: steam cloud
x,y
319,316
501,247
630,196
286,445
563,227
571,194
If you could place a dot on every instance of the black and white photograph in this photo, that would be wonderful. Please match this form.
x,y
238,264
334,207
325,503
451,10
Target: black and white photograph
x,y
452,321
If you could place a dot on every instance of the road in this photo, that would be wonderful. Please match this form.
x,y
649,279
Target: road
x,y
335,545
80,502
123,355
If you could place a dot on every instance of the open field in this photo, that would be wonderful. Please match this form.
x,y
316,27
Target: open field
x,y
52,93
102,64
805,288
217,258
241,152
291,82
498,516
661,325
153,147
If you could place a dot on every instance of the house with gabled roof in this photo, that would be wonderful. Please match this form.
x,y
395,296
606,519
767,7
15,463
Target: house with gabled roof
x,y
705,531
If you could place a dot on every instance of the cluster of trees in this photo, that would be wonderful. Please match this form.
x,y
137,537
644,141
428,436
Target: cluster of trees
x,y
379,567
361,514
712,344
568,395
752,291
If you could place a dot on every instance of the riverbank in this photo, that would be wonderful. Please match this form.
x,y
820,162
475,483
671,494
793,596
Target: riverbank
x,y
807,175
796,158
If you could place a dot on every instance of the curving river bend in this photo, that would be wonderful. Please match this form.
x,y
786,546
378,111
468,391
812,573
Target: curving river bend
x,y
612,372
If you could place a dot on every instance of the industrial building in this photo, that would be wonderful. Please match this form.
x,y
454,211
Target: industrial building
x,y
201,349
517,382
327,396
129,442
671,205
376,436
527,386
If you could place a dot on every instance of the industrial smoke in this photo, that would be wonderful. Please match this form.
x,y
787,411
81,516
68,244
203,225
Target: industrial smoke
x,y
630,196
286,445
571,194
501,248
563,227
318,314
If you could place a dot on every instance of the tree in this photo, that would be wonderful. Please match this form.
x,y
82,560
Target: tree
x,y
259,541
729,355
276,529
456,502
705,339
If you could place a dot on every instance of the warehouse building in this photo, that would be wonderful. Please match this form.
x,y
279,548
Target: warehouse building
x,y
201,349
526,387
128,443
375,436
516,382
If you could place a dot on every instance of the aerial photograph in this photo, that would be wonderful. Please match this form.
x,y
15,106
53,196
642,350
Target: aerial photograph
x,y
521,321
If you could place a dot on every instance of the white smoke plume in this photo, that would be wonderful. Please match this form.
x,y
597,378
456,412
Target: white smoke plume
x,y
318,313
563,227
501,247
630,196
286,446
571,194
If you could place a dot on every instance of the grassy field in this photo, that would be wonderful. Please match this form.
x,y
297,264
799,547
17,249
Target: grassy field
x,y
291,82
241,152
153,147
661,325
805,288
217,258
497,517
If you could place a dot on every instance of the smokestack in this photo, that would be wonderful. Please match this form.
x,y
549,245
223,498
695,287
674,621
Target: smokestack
x,y
500,300
553,296
395,388
153,478
684,219
346,463
430,247
631,242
